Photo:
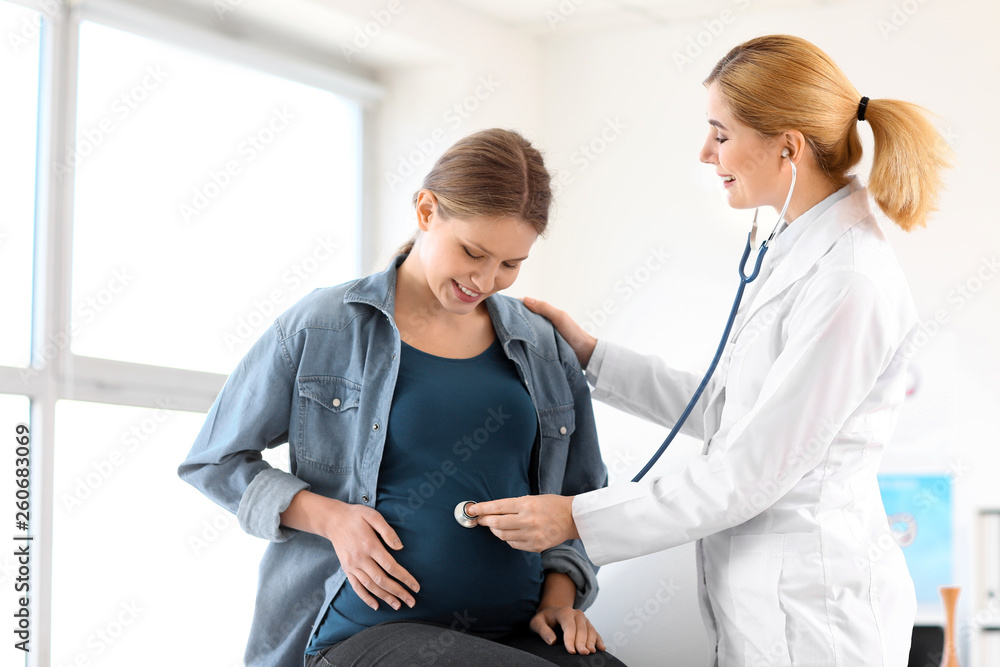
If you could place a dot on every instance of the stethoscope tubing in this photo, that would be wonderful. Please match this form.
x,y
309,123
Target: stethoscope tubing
x,y
744,281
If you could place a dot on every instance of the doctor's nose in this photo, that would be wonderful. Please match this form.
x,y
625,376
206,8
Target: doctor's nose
x,y
707,153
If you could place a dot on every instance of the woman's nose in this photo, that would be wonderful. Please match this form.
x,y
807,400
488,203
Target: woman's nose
x,y
484,279
707,153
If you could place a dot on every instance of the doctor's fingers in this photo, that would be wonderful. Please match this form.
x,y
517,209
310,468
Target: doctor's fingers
x,y
583,343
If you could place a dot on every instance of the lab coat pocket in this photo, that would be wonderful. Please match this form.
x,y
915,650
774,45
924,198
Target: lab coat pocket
x,y
328,414
755,563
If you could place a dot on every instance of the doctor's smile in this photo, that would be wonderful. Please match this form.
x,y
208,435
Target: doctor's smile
x,y
443,456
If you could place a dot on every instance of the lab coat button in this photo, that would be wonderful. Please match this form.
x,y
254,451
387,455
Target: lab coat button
x,y
336,403
562,430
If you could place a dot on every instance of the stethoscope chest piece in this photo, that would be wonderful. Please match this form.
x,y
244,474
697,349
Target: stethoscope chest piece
x,y
464,519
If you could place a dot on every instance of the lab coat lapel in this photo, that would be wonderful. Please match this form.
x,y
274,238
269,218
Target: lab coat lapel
x,y
815,242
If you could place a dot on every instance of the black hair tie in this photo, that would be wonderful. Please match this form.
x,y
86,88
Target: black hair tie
x,y
862,107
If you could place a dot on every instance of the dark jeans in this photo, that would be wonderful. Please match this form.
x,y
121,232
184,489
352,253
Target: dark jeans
x,y
414,644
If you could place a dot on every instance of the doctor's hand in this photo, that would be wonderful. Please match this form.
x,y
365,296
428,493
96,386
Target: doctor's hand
x,y
583,343
528,523
359,535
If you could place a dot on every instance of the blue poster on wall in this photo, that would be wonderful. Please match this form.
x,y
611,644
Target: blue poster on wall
x,y
919,511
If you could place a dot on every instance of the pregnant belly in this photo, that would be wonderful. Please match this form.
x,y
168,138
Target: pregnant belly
x,y
469,579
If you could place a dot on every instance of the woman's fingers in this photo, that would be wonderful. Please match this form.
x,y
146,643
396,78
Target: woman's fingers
x,y
361,591
583,643
583,343
382,527
359,538
541,625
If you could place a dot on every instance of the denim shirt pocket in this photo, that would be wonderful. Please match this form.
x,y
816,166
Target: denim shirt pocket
x,y
557,426
328,422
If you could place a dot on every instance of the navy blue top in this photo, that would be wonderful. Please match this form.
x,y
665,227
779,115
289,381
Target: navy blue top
x,y
459,429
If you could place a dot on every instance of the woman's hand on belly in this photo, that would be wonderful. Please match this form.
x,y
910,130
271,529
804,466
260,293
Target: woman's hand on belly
x,y
359,535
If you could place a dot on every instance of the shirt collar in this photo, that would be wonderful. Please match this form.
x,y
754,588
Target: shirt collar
x,y
379,291
788,234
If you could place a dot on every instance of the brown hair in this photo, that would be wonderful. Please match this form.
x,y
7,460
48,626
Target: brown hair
x,y
492,173
779,82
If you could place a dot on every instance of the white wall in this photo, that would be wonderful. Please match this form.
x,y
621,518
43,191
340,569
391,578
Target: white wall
x,y
643,249
648,192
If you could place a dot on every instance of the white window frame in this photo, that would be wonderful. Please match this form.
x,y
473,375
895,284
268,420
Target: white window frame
x,y
68,376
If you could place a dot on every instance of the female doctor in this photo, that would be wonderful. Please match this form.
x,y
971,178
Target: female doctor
x,y
783,500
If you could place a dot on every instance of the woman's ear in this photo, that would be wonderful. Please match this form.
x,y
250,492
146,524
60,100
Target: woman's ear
x,y
426,207
794,144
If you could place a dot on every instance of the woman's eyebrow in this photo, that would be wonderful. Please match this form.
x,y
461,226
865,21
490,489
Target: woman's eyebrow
x,y
487,252
717,124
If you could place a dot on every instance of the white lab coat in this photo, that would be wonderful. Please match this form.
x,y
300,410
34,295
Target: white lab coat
x,y
796,565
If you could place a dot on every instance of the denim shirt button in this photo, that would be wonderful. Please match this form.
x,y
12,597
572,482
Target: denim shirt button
x,y
364,498
562,430
375,426
336,403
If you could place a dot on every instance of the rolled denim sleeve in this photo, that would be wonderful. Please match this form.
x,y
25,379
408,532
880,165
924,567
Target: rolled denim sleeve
x,y
570,559
585,471
250,414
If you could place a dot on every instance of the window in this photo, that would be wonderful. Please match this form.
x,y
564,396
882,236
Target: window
x,y
140,557
19,54
199,198
209,198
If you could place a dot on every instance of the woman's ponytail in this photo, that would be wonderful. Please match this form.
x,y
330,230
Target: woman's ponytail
x,y
909,157
779,82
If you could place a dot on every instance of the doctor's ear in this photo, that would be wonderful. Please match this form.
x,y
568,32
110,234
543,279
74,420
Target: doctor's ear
x,y
794,145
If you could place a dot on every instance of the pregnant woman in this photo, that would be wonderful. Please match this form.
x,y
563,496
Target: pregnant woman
x,y
401,395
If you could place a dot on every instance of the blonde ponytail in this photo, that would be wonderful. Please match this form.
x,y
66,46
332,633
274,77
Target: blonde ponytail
x,y
778,82
908,160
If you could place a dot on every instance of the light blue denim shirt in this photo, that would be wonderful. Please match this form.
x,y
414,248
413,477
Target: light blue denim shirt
x,y
322,379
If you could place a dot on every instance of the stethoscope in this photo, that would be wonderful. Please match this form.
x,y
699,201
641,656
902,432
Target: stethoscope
x,y
744,281
467,521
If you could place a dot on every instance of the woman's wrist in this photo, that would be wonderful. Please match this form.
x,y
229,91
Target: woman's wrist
x,y
558,590
309,512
